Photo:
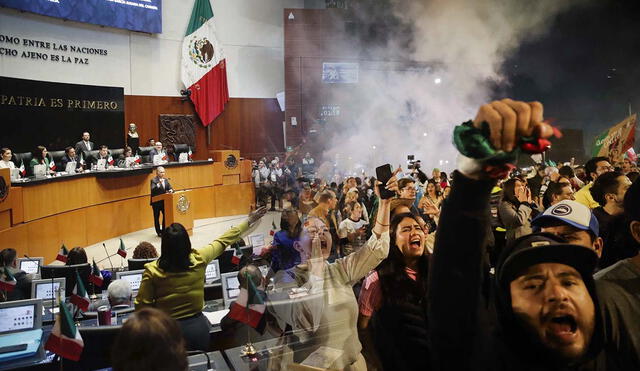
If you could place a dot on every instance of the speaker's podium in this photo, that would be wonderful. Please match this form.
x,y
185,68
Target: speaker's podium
x,y
177,209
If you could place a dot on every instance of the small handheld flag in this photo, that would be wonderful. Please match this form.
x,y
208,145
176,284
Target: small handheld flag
x,y
79,297
122,251
8,281
96,276
23,170
62,254
249,307
110,160
65,339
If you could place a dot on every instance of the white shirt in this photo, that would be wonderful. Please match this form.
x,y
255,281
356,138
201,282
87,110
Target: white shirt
x,y
7,164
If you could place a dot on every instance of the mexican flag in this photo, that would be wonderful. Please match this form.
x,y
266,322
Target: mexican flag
x,y
615,141
62,254
204,71
96,275
8,281
65,339
79,297
249,306
122,251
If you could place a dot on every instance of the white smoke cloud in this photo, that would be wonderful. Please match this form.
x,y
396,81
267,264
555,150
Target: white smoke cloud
x,y
401,109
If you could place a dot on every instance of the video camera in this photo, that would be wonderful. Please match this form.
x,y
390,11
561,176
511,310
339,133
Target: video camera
x,y
412,163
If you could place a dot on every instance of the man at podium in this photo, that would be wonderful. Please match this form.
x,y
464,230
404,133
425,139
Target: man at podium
x,y
159,185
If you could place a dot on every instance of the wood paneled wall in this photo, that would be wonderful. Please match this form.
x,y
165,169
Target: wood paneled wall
x,y
252,125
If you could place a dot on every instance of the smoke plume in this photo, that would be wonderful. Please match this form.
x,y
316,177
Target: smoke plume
x,y
424,67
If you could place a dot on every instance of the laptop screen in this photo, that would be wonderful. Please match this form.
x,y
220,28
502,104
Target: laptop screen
x,y
47,290
233,287
133,277
17,318
30,266
212,273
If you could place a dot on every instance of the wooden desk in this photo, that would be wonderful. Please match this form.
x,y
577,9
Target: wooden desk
x,y
84,209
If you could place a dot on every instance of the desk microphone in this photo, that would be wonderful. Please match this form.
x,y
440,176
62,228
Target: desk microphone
x,y
108,256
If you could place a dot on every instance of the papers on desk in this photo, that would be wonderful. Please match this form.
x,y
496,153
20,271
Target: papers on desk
x,y
215,317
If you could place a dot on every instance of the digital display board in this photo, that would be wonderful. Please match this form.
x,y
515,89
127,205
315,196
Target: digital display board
x,y
135,15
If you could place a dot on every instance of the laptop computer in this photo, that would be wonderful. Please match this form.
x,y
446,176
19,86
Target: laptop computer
x,y
31,265
133,277
230,287
212,273
47,290
20,328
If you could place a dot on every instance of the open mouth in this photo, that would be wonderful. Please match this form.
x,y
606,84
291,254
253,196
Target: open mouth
x,y
415,243
563,328
323,244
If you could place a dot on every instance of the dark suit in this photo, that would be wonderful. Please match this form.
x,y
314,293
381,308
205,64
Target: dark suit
x,y
157,189
94,160
82,147
154,152
66,159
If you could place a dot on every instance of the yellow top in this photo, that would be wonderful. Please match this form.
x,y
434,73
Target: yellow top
x,y
584,197
181,294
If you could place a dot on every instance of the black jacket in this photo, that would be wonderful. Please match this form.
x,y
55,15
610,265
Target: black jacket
x,y
157,189
465,329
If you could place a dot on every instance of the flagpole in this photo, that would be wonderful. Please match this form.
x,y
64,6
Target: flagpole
x,y
108,257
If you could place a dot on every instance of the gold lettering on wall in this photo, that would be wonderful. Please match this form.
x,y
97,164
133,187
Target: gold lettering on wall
x,y
22,101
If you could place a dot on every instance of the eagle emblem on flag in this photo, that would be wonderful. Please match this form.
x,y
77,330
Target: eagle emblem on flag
x,y
201,51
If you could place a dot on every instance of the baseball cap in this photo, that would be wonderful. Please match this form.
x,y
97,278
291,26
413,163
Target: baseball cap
x,y
539,248
569,212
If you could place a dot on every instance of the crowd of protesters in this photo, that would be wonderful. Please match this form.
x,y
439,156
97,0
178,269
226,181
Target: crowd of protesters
x,y
523,269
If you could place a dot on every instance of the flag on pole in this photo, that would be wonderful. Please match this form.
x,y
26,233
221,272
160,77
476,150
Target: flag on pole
x,y
272,232
110,160
65,339
249,306
23,170
190,154
138,160
62,254
615,141
52,165
122,251
204,72
79,297
8,281
81,159
235,259
96,275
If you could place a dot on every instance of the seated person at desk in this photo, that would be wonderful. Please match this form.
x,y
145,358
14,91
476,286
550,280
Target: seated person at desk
x,y
172,156
149,340
175,282
157,150
128,153
77,255
70,156
5,162
237,333
40,158
118,297
145,250
22,290
103,154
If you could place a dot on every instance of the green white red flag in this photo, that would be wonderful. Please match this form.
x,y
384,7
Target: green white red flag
x,y
79,297
65,339
615,141
204,71
7,281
